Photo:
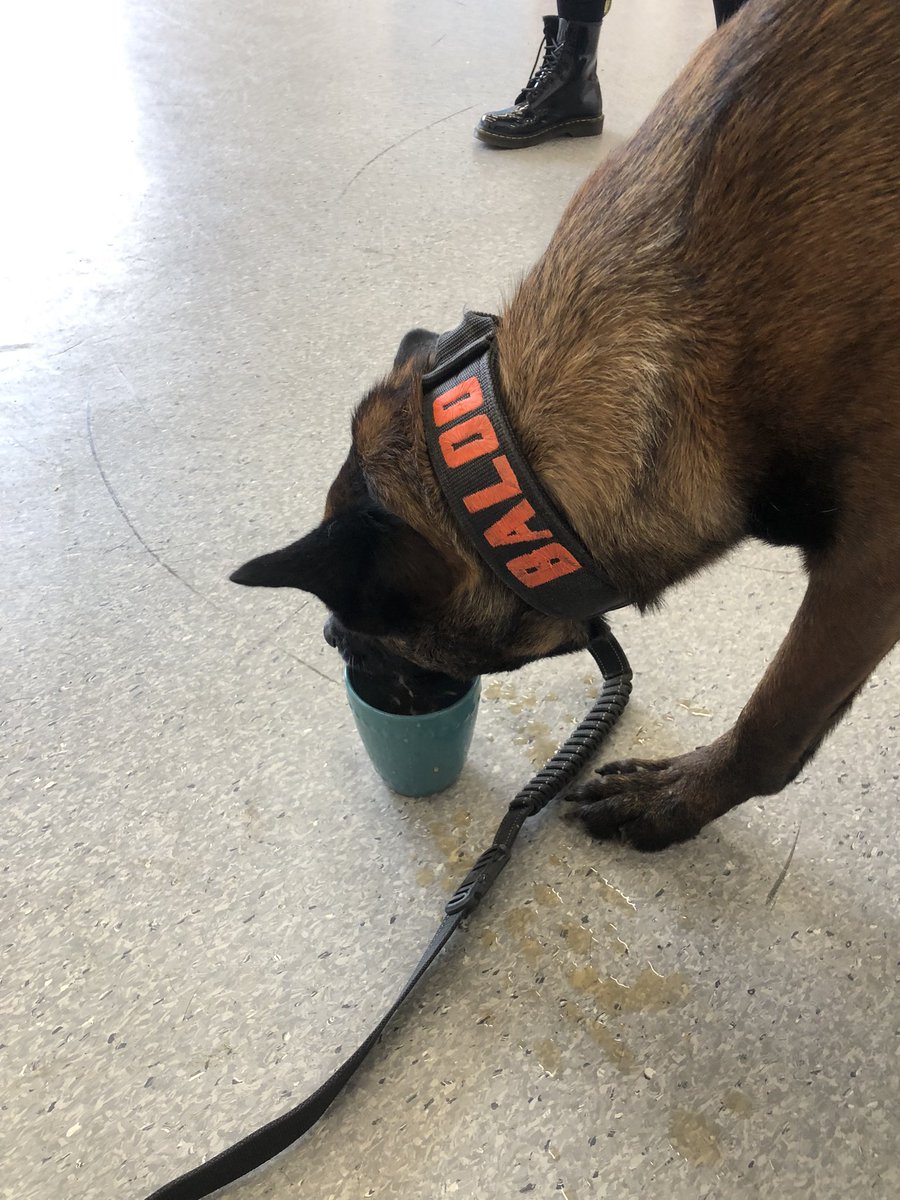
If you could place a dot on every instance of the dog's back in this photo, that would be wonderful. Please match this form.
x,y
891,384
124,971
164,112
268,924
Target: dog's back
x,y
737,266
795,208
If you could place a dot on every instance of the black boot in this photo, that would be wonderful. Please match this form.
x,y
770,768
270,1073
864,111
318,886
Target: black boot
x,y
562,97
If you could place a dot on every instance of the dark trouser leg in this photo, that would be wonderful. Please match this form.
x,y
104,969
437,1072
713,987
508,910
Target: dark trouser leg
x,y
583,10
726,8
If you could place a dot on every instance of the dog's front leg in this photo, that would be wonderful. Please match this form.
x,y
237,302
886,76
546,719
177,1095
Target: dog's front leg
x,y
848,620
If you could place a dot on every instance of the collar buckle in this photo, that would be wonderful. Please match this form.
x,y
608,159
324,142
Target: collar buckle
x,y
461,346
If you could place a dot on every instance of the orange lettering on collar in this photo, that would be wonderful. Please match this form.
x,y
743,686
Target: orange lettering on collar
x,y
462,399
543,565
495,492
470,439
513,527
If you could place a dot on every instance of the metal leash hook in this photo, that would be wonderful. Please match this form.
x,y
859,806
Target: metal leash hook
x,y
265,1143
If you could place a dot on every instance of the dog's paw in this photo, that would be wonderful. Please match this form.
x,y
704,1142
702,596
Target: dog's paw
x,y
651,804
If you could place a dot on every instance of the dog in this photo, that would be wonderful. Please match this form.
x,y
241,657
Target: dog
x,y
708,351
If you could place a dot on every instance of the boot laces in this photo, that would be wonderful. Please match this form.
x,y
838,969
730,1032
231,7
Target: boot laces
x,y
541,75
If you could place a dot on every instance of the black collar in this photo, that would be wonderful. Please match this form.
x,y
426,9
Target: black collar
x,y
493,492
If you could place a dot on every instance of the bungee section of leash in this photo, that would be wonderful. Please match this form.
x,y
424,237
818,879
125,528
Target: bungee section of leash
x,y
265,1143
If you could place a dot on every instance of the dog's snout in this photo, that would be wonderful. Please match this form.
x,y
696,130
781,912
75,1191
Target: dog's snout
x,y
329,632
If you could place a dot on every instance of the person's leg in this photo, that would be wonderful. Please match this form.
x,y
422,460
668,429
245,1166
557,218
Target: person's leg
x,y
589,11
726,8
562,97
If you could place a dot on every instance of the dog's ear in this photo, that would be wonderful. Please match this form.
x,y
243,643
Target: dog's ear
x,y
417,344
371,569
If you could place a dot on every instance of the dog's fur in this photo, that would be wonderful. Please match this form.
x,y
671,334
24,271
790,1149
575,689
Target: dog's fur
x,y
708,350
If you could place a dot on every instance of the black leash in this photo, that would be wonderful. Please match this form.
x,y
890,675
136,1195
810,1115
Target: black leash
x,y
257,1148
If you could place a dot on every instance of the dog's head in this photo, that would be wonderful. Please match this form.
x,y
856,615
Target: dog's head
x,y
390,563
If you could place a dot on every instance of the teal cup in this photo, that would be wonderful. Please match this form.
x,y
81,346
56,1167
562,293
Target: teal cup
x,y
419,755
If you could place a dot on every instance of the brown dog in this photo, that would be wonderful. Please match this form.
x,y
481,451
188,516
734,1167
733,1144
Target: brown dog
x,y
709,350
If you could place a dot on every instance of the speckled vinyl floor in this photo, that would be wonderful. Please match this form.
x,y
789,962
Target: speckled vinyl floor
x,y
218,219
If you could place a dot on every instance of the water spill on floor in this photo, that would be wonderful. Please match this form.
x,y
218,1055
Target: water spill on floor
x,y
508,691
650,991
546,895
609,892
449,833
614,1048
548,1055
577,937
736,1102
558,961
695,1137
540,742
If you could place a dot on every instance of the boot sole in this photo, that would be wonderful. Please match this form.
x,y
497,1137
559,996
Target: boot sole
x,y
579,127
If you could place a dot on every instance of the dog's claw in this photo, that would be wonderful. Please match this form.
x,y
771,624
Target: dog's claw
x,y
628,766
650,805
